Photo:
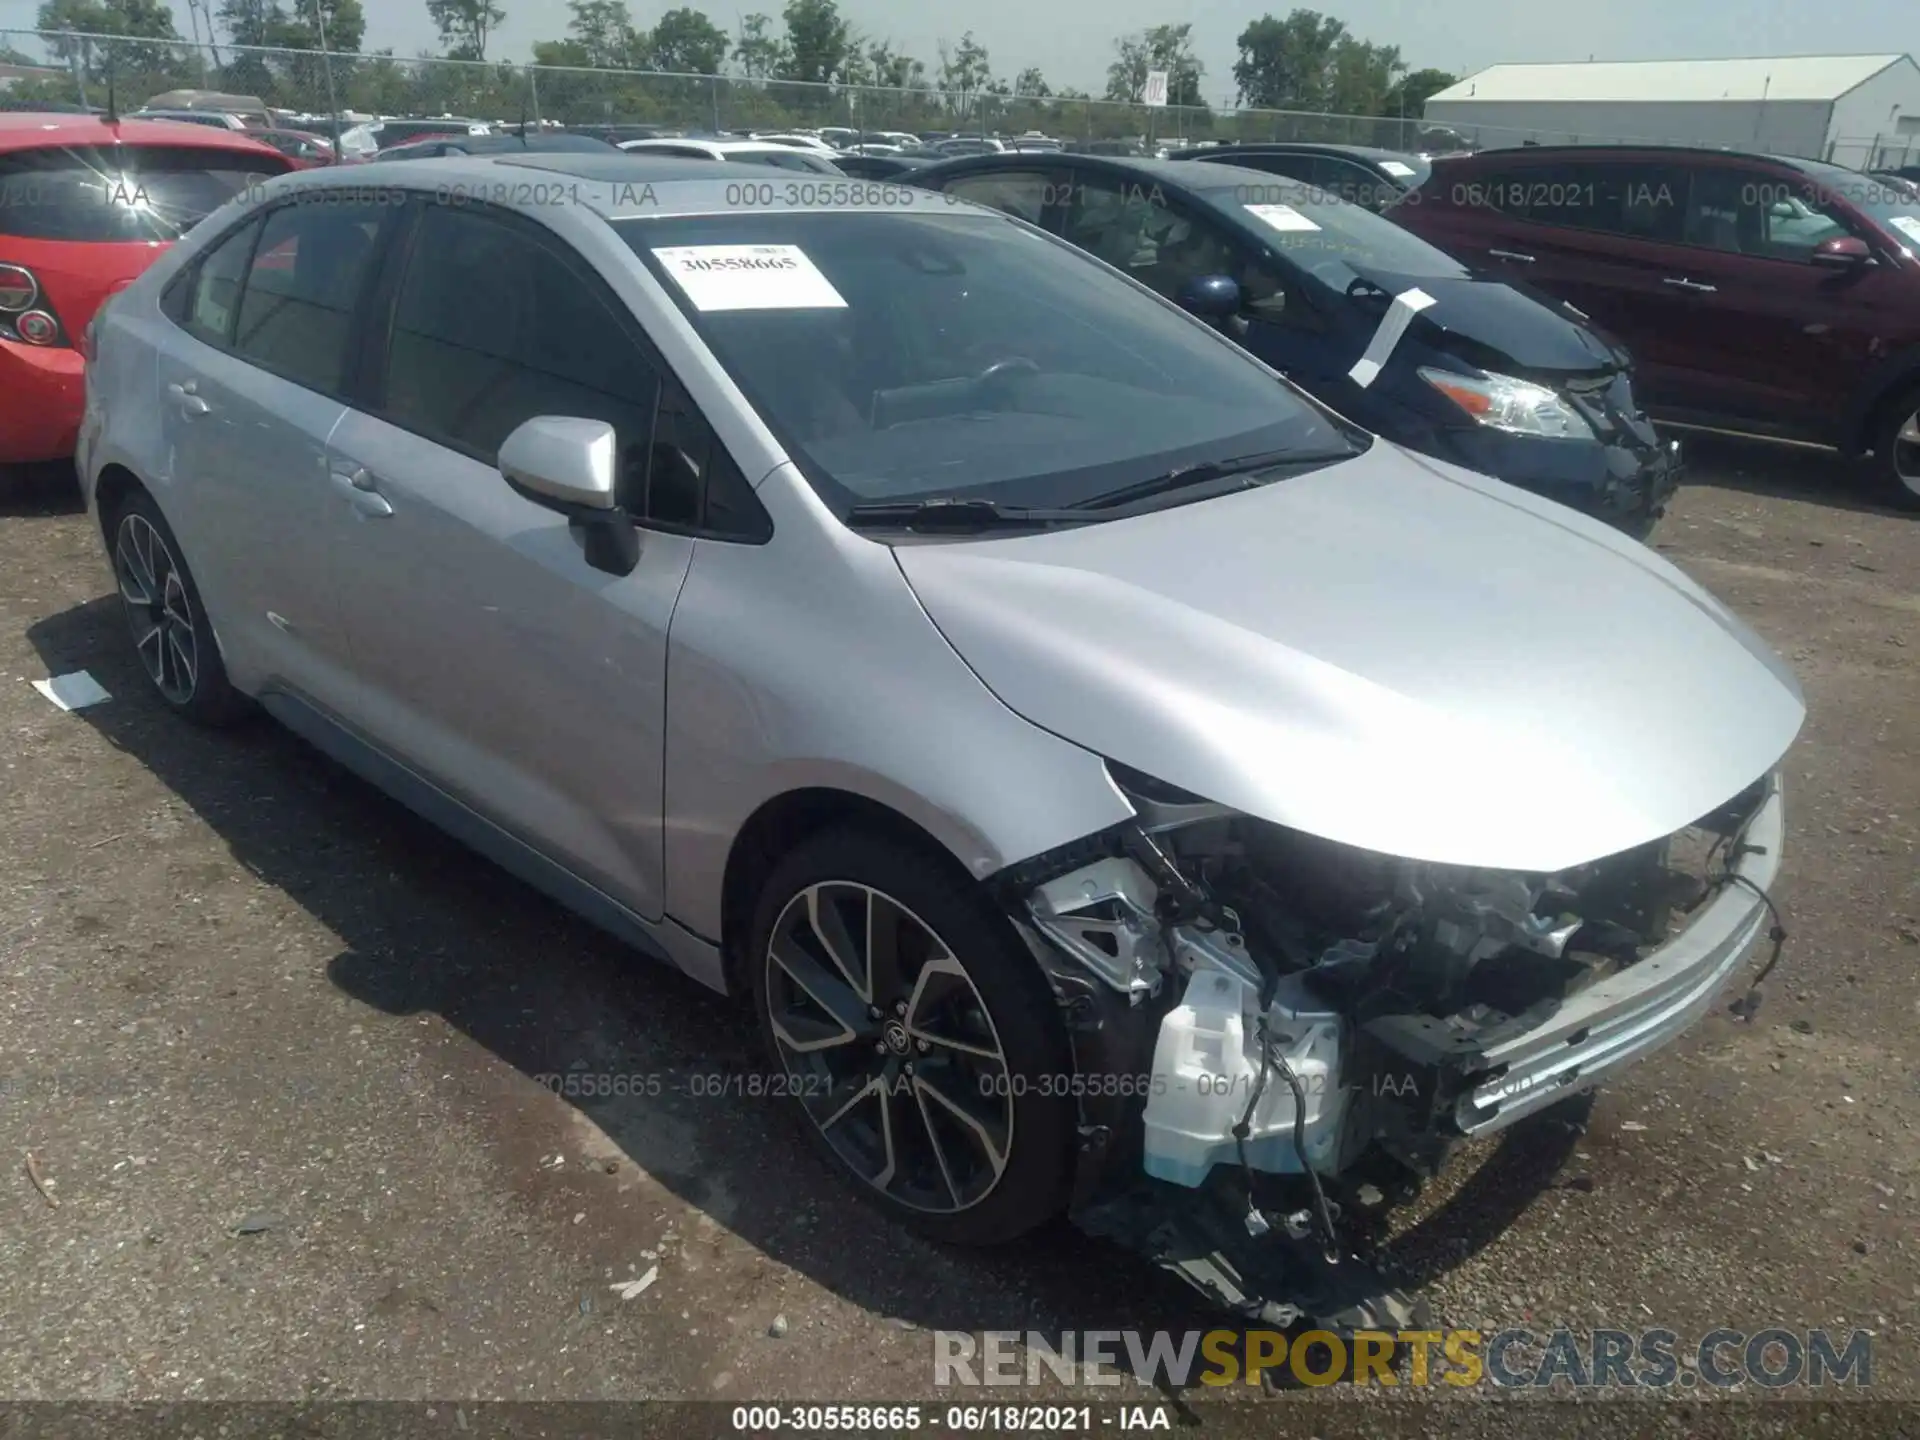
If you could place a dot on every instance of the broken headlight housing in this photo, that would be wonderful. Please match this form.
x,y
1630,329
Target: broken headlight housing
x,y
1502,402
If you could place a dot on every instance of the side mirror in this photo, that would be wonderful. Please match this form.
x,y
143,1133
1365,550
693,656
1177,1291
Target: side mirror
x,y
1842,252
1211,297
570,466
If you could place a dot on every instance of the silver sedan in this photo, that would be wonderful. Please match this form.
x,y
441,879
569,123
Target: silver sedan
x,y
1117,783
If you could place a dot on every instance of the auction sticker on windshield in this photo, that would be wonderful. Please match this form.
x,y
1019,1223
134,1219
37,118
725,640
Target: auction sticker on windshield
x,y
1397,170
1281,217
749,277
1907,226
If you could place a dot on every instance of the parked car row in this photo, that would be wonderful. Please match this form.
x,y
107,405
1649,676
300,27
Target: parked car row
x,y
1101,766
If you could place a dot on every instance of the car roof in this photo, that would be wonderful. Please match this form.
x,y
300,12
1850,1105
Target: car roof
x,y
1543,152
636,185
1299,147
30,129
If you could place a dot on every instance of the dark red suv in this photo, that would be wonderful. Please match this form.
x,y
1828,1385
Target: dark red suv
x,y
1761,295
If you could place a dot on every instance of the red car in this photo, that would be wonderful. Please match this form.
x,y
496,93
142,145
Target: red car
x,y
1767,296
306,151
85,205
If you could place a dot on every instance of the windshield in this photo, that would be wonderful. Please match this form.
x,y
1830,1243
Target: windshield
x,y
911,354
1325,235
146,192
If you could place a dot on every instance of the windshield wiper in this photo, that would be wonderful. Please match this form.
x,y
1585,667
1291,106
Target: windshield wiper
x,y
1206,471
952,513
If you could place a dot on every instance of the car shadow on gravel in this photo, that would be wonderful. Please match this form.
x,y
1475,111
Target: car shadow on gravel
x,y
1783,472
428,927
49,488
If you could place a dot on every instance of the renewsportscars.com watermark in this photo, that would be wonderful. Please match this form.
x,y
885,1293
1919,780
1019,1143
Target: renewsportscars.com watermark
x,y
1774,1358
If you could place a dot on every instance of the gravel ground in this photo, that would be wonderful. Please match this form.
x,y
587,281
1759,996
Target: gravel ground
x,y
241,991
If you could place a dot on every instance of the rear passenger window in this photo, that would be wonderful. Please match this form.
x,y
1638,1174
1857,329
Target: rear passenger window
x,y
213,294
493,326
1645,201
296,310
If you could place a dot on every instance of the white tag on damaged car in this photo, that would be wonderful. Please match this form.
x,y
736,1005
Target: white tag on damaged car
x,y
749,277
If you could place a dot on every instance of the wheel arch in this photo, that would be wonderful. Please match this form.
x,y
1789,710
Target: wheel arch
x,y
111,490
788,820
1884,384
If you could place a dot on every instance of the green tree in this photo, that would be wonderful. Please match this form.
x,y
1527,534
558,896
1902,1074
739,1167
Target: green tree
x,y
818,41
464,26
141,19
1361,75
893,69
965,71
1288,64
1162,47
1031,84
604,31
1410,93
759,52
686,42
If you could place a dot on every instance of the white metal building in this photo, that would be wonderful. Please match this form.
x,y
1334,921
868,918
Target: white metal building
x,y
1854,109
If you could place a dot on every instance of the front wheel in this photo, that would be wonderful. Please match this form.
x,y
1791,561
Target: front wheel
x,y
1896,453
917,1036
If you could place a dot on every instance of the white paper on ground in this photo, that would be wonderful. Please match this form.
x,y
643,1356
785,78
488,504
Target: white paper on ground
x,y
1406,305
73,691
1281,217
1397,170
1907,226
749,277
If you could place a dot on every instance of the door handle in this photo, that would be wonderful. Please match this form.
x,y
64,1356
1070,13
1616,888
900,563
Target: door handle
x,y
363,489
1513,255
1693,285
182,394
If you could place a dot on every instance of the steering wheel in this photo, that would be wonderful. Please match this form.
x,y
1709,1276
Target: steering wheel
x,y
995,382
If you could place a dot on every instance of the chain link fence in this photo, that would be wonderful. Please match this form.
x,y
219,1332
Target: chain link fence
x,y
73,70
69,70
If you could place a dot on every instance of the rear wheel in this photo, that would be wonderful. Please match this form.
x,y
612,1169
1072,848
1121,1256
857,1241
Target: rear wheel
x,y
916,1035
1896,452
171,636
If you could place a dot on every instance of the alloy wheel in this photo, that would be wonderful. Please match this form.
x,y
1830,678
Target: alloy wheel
x,y
154,590
1906,453
889,1047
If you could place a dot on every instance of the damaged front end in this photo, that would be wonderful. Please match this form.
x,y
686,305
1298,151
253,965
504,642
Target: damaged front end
x,y
1279,1036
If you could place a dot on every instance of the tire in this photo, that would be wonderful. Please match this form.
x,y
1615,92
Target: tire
x,y
1896,461
173,642
969,989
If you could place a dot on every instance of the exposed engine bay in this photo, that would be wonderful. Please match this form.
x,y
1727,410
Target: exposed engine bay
x,y
1304,1031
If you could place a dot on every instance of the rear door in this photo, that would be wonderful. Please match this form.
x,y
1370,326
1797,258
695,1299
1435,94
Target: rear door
x,y
489,657
250,388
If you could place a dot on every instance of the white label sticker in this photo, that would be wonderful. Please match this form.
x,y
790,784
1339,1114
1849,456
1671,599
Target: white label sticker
x,y
1907,225
1281,217
749,277
1396,169
1406,305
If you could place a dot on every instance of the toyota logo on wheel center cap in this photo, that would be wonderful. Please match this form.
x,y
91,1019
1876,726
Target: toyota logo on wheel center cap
x,y
895,1035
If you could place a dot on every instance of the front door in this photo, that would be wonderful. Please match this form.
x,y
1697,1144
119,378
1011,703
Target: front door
x,y
490,658
1775,341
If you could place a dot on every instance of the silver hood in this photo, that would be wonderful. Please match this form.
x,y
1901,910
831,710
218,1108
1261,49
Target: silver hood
x,y
1392,653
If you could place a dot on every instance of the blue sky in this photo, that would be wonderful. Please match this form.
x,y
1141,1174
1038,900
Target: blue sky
x,y
1070,40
